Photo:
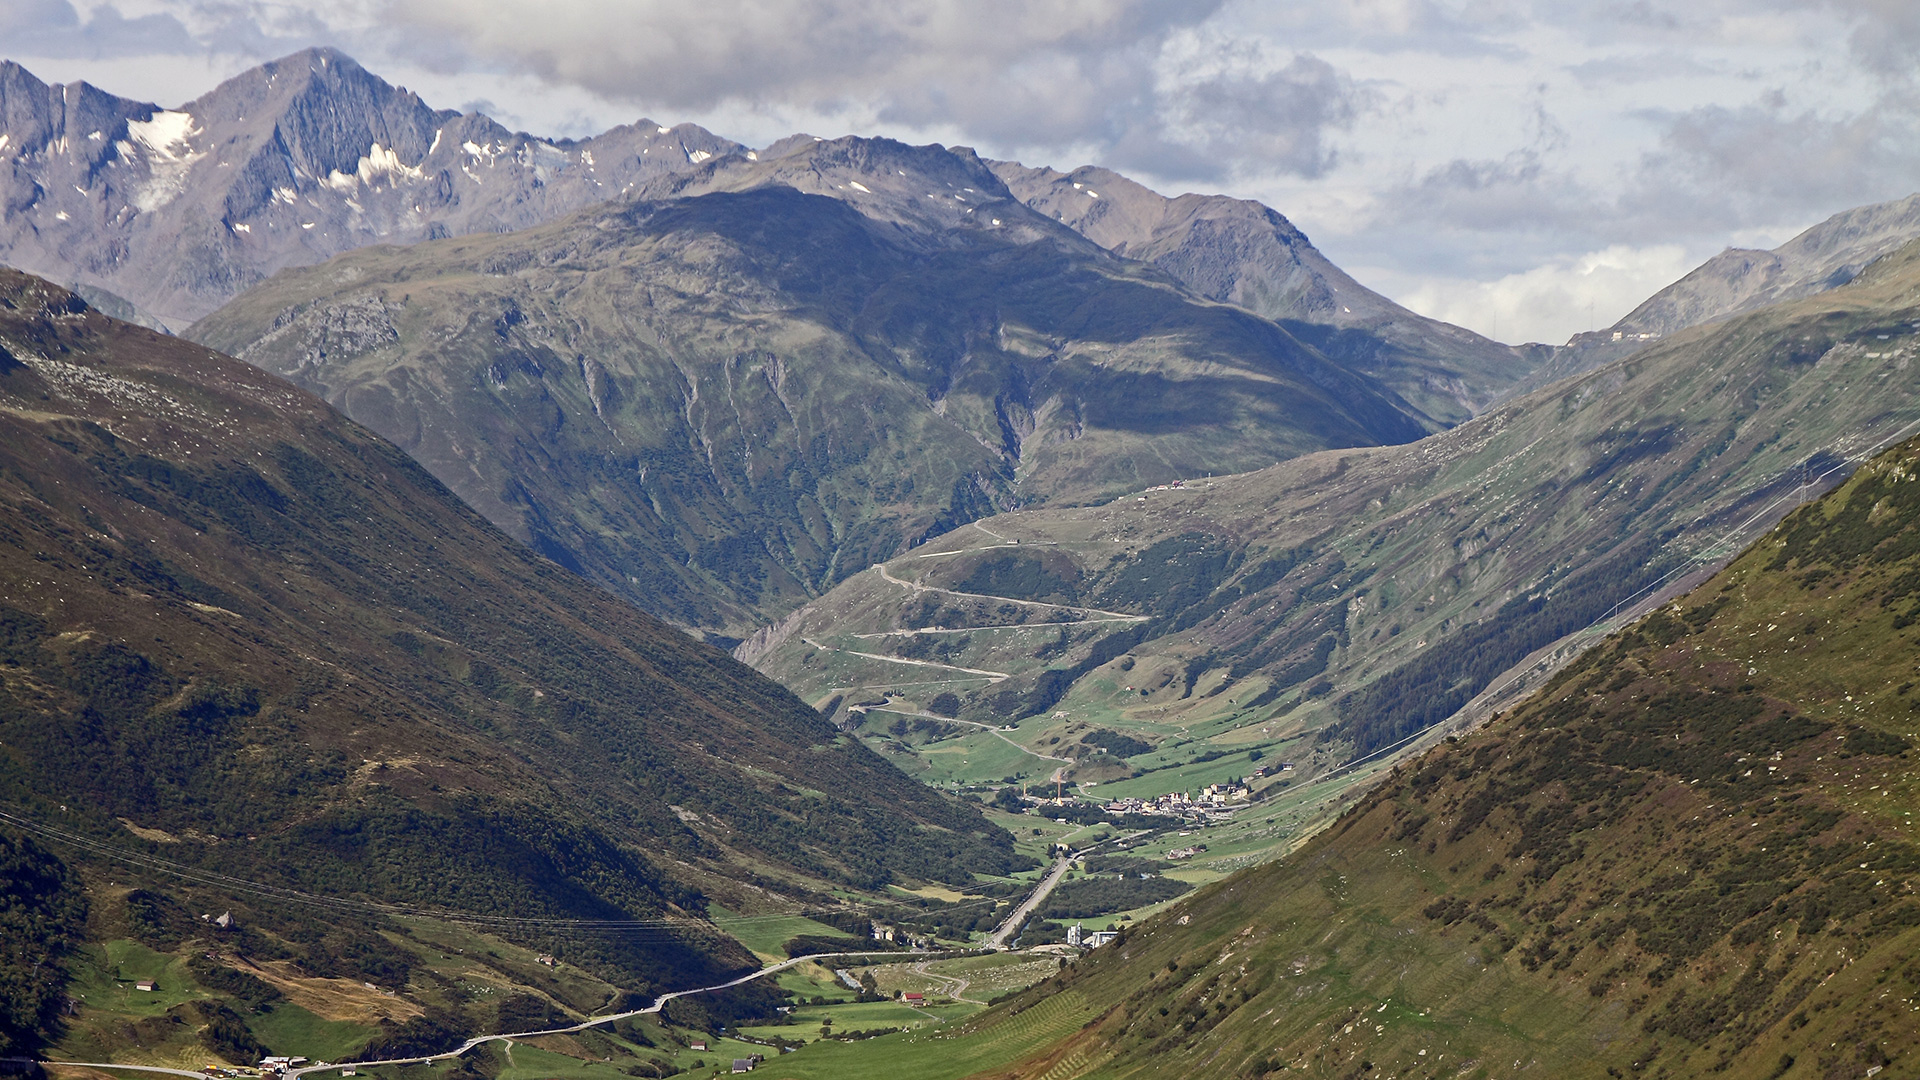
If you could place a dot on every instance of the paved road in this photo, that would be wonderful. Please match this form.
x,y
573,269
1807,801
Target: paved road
x,y
996,734
658,1003
993,729
998,939
991,676
916,587
134,1068
956,987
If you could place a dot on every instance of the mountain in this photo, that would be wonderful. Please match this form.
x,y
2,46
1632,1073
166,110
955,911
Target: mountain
x,y
1337,605
1692,854
745,383
1236,251
1738,280
257,660
175,211
165,214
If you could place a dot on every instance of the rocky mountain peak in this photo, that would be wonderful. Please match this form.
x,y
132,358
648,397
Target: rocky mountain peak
x,y
321,112
939,196
173,211
1238,251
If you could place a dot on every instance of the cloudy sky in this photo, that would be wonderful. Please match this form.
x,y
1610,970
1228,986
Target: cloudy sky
x,y
1528,169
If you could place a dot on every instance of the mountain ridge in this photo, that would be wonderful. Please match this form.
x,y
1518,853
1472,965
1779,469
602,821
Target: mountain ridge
x,y
706,329
1335,605
244,635
1824,256
1241,252
285,164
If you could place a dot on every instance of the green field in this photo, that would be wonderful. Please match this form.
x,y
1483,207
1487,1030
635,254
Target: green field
x,y
289,1029
936,1055
766,934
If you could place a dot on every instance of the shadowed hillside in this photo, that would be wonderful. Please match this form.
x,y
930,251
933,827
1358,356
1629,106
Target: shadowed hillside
x,y
248,639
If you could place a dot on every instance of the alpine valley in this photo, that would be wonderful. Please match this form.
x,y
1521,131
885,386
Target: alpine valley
x,y
647,605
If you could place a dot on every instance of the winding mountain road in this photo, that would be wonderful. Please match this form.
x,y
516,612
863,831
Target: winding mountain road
x,y
658,1004
996,941
992,729
990,676
916,587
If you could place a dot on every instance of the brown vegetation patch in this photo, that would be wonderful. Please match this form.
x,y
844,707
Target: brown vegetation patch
x,y
332,999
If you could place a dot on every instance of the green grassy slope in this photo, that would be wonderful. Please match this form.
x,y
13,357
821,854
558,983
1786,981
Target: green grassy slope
x,y
1693,853
1334,605
721,403
245,636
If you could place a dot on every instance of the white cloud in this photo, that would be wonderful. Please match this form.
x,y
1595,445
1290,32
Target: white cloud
x,y
1458,153
1558,299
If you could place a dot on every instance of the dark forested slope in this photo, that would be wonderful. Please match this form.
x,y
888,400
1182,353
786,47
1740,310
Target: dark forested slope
x,y
242,634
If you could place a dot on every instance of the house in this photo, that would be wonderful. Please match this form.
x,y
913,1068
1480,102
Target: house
x,y
741,1065
913,998
145,984
696,1046
1100,937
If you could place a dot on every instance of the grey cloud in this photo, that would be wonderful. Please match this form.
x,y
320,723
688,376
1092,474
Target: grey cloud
x,y
1722,168
1456,30
1249,115
1013,74
53,28
698,56
1516,194
1886,34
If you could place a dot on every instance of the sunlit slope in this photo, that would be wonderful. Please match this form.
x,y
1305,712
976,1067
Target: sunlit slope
x,y
242,634
721,403
1369,594
1693,853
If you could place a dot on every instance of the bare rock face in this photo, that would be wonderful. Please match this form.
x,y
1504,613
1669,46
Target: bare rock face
x,y
289,164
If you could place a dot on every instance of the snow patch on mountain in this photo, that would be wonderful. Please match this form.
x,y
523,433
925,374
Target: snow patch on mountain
x,y
165,138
